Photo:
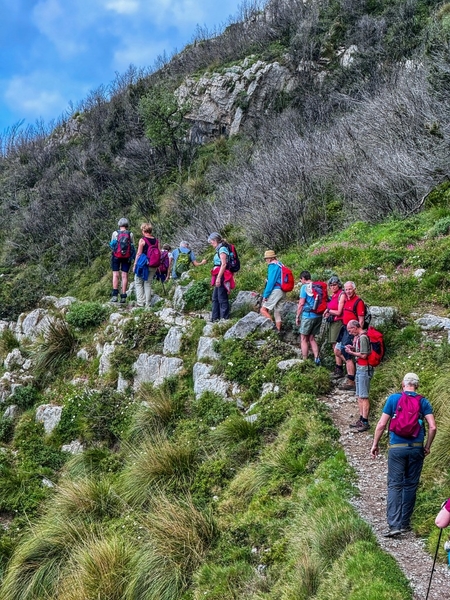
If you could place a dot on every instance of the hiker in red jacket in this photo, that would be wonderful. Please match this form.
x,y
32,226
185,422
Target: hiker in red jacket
x,y
354,308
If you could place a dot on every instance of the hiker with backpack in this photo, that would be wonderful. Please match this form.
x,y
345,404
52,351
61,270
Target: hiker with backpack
x,y
165,265
361,350
148,258
333,316
274,295
354,308
311,306
122,254
182,259
406,412
222,278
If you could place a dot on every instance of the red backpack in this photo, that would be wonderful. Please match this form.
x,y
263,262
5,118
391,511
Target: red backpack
x,y
377,345
123,247
320,294
405,421
287,278
154,255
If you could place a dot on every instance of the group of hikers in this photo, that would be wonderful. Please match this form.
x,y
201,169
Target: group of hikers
x,y
356,346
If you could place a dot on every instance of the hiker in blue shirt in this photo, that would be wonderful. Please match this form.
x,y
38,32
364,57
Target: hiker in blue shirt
x,y
273,295
182,259
405,456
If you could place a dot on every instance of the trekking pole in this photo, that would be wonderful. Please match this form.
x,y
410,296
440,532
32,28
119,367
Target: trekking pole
x,y
434,562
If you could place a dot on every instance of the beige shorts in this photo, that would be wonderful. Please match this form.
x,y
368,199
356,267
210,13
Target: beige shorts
x,y
275,300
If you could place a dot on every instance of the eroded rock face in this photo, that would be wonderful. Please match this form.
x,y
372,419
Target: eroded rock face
x,y
382,315
155,369
205,349
245,300
222,102
49,415
32,324
172,341
204,381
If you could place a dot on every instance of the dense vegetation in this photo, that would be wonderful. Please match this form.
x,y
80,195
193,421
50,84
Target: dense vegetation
x,y
365,140
177,496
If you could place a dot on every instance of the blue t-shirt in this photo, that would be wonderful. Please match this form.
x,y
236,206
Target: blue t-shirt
x,y
175,255
221,250
309,302
389,409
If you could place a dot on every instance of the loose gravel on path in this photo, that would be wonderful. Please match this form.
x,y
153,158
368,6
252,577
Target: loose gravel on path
x,y
406,548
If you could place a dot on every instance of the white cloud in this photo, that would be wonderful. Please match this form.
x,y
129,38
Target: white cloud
x,y
123,7
29,97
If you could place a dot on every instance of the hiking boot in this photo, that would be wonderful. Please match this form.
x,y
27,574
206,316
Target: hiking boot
x,y
361,427
392,532
123,298
338,373
348,385
356,423
114,299
317,361
405,529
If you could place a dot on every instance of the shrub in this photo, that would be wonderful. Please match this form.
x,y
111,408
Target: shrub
x,y
212,409
84,315
198,296
95,416
6,429
25,397
8,341
145,332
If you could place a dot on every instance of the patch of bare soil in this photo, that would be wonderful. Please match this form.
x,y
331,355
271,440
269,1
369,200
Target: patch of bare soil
x,y
408,550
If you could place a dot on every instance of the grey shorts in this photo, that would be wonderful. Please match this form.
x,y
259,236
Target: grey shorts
x,y
276,299
310,326
362,380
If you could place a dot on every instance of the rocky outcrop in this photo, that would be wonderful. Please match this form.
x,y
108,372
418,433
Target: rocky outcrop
x,y
250,323
155,369
222,102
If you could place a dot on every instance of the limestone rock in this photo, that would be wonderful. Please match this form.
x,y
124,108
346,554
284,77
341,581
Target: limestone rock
x,y
83,354
172,341
49,415
155,369
247,325
122,384
14,360
105,363
75,447
11,412
34,323
169,316
205,349
244,300
204,381
382,316
284,365
429,321
222,102
178,300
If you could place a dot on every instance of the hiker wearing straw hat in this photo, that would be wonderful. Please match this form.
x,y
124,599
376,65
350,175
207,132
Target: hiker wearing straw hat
x,y
273,295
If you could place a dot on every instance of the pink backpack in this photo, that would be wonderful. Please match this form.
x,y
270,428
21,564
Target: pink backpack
x,y
406,421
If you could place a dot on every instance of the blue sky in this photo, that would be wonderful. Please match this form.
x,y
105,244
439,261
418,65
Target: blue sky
x,y
54,52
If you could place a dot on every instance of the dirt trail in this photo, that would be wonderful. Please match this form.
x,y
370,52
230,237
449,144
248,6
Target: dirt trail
x,y
407,549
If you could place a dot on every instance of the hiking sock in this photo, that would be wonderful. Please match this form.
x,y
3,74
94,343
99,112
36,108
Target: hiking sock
x,y
351,377
365,421
115,296
123,298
